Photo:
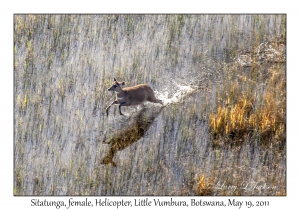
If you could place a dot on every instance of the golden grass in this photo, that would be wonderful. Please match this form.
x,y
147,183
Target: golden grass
x,y
204,185
249,113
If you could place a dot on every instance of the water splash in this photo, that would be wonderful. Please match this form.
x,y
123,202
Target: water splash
x,y
181,92
139,122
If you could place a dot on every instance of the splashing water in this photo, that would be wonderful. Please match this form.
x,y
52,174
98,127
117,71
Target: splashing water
x,y
182,91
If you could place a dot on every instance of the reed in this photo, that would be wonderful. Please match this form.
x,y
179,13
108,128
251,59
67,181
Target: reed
x,y
222,78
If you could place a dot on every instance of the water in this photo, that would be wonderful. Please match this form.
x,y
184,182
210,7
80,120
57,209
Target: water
x,y
63,67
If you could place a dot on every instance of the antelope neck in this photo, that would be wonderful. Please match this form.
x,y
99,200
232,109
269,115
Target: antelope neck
x,y
119,92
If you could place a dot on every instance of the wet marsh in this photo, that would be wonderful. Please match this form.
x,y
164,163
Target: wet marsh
x,y
222,80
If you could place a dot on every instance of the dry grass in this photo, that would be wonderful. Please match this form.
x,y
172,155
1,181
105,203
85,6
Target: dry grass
x,y
204,185
253,109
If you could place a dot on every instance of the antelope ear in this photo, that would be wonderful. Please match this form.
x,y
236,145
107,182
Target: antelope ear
x,y
123,83
115,79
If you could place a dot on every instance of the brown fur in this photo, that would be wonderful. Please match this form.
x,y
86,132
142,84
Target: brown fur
x,y
131,96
